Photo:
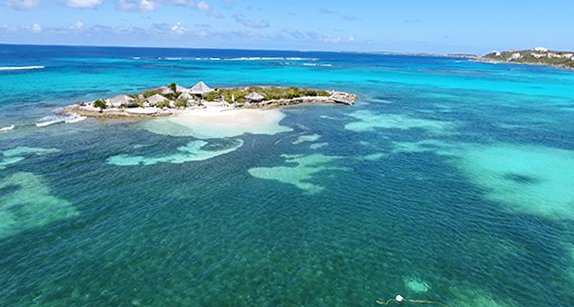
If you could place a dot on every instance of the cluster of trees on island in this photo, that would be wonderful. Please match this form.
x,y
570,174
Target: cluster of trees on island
x,y
240,95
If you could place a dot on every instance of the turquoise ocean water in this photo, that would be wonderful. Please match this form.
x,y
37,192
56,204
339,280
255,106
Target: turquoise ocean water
x,y
449,180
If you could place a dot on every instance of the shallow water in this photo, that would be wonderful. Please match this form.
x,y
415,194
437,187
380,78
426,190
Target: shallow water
x,y
449,180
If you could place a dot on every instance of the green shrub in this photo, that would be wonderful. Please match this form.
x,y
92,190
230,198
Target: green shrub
x,y
173,87
150,93
171,96
234,94
212,96
163,104
134,104
100,104
181,103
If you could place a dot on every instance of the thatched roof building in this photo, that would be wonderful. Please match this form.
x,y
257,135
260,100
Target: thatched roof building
x,y
155,100
200,88
167,91
254,97
185,96
120,101
181,89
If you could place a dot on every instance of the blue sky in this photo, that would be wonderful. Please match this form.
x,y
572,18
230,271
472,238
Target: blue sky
x,y
437,26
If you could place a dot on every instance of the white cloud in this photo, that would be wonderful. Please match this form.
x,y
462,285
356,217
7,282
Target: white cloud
x,y
351,18
178,28
203,6
337,39
313,36
252,23
137,5
22,4
36,28
147,5
84,4
8,28
78,25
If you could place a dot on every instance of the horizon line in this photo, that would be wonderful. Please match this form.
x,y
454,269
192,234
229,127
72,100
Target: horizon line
x,y
380,52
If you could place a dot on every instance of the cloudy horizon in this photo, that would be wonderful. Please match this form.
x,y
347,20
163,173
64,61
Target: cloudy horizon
x,y
409,26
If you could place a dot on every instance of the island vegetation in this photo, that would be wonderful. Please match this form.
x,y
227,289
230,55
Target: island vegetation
x,y
536,56
167,100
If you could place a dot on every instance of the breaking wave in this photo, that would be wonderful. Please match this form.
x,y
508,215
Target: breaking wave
x,y
4,68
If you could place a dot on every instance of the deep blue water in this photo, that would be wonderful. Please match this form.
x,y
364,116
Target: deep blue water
x,y
449,180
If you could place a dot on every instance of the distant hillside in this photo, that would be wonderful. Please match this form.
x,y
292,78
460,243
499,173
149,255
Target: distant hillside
x,y
539,56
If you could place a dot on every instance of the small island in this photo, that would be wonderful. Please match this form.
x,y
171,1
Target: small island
x,y
536,56
173,99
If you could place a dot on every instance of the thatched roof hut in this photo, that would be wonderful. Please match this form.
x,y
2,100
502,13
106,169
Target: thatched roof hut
x,y
254,97
120,101
185,96
155,100
181,89
167,91
200,88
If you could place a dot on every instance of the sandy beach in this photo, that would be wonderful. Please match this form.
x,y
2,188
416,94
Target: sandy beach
x,y
219,122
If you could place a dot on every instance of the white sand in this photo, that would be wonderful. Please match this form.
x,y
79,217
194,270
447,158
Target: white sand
x,y
219,122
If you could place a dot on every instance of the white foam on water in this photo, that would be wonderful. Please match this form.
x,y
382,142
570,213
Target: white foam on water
x,y
193,151
76,119
58,119
210,124
300,175
7,128
9,68
31,205
368,121
306,138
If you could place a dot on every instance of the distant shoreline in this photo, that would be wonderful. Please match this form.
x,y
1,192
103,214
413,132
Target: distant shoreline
x,y
491,61
538,56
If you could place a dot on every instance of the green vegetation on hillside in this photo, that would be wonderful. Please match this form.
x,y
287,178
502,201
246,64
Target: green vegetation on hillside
x,y
553,58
